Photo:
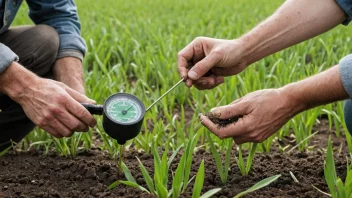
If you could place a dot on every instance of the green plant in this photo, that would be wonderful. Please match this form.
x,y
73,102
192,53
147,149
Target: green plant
x,y
337,188
223,169
259,185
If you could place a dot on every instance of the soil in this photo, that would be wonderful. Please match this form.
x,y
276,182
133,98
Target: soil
x,y
222,122
32,174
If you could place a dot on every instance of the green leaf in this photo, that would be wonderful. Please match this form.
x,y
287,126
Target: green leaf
x,y
198,184
5,151
341,193
227,159
241,161
250,158
329,170
161,191
135,185
259,185
348,183
127,172
178,179
188,165
216,158
210,193
146,177
174,155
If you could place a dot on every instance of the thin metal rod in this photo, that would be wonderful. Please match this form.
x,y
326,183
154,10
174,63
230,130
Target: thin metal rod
x,y
179,82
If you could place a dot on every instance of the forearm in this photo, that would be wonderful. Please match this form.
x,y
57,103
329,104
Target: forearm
x,y
320,89
69,70
293,22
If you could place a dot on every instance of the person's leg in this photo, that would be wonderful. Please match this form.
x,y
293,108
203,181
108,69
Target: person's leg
x,y
37,48
348,115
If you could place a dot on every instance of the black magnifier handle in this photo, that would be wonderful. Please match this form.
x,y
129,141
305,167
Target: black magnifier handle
x,y
94,109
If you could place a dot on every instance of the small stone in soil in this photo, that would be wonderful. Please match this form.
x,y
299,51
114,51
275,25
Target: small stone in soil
x,y
222,122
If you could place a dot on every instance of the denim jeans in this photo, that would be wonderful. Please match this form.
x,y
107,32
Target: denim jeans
x,y
37,48
348,115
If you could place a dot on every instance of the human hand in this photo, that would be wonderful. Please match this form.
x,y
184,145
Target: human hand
x,y
264,113
69,70
205,61
56,108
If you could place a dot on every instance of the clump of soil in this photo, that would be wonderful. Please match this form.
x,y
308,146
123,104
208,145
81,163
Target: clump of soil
x,y
222,122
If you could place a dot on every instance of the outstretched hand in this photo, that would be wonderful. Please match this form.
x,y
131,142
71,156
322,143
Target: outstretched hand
x,y
264,113
205,61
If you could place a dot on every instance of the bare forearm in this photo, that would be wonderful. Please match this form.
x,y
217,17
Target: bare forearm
x,y
294,22
69,70
323,88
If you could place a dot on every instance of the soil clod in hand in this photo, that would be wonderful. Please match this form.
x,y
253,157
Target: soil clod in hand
x,y
222,122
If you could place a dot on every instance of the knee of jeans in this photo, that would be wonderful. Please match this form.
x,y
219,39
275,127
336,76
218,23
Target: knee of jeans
x,y
348,115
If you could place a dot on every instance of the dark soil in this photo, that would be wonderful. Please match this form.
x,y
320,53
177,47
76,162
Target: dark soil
x,y
32,174
222,122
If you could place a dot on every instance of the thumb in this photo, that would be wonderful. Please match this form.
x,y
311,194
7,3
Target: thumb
x,y
79,97
230,111
203,66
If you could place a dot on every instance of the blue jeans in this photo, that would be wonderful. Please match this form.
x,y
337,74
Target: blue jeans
x,y
348,115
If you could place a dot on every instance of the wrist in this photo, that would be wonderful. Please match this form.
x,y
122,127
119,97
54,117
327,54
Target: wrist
x,y
293,98
16,80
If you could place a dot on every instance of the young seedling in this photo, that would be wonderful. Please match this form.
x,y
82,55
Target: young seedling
x,y
336,186
259,185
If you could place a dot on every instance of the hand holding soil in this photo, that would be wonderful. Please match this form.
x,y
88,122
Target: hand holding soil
x,y
255,117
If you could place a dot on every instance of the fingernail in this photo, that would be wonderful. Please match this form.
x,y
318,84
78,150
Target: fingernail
x,y
93,124
192,75
215,112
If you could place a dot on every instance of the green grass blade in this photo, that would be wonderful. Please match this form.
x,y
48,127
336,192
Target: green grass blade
x,y
348,183
210,193
329,170
174,155
127,172
161,190
135,185
198,184
227,159
341,193
216,158
250,158
5,151
259,185
146,177
188,165
178,179
241,161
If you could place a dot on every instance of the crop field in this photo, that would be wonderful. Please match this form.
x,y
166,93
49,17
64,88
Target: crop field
x,y
132,48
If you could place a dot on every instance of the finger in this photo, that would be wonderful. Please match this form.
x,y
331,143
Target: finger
x,y
226,71
71,122
239,140
61,128
231,110
205,83
203,66
77,110
222,133
198,51
52,131
239,128
78,96
183,58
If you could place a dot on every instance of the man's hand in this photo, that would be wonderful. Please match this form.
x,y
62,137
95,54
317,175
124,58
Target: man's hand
x,y
69,71
264,112
51,105
205,61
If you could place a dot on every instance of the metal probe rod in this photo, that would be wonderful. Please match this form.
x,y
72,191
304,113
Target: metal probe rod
x,y
165,94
